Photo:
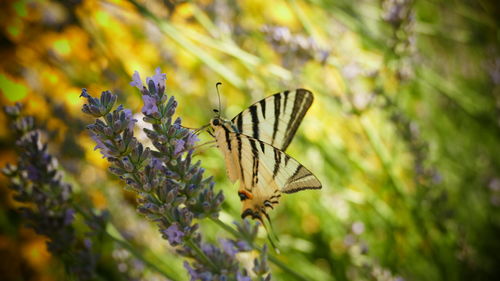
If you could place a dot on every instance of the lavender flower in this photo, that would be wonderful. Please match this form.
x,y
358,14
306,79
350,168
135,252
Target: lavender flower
x,y
295,48
38,182
172,190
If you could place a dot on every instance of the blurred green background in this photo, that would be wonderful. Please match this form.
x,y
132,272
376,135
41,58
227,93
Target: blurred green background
x,y
404,132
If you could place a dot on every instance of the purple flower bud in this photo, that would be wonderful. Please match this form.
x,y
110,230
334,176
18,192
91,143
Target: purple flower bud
x,y
68,216
33,173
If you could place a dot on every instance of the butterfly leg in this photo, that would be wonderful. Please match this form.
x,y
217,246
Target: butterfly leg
x,y
196,130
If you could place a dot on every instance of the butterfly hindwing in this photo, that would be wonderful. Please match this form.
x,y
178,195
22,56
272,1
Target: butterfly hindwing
x,y
265,172
275,119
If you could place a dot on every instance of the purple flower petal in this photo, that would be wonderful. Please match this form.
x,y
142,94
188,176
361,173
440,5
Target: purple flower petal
x,y
206,276
150,106
243,246
179,146
174,234
101,146
208,249
130,118
156,164
136,81
159,78
192,272
228,247
191,139
241,277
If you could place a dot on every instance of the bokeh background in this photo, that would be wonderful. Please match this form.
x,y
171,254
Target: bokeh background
x,y
404,132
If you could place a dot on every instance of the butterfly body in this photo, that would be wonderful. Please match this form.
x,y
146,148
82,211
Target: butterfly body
x,y
253,145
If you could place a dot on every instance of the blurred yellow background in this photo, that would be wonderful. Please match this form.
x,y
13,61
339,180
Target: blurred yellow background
x,y
404,131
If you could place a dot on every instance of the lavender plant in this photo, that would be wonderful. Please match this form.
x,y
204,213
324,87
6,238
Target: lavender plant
x,y
48,200
400,16
50,207
172,190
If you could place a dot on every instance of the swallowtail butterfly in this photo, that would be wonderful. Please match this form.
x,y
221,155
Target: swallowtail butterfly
x,y
253,145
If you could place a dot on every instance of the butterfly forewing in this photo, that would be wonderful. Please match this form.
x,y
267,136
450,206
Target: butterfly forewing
x,y
275,119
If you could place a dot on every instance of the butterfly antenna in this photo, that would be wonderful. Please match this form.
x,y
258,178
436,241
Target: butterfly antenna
x,y
218,95
272,229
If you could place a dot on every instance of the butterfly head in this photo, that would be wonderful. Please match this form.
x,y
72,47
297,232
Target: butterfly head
x,y
217,121
254,207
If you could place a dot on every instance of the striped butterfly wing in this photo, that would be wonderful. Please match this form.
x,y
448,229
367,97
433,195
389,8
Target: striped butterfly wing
x,y
264,173
275,119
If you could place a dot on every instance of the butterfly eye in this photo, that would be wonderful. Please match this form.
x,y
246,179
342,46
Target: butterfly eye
x,y
244,195
215,122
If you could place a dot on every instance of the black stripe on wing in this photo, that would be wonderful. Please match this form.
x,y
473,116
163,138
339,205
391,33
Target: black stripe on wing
x,y
303,100
277,112
301,174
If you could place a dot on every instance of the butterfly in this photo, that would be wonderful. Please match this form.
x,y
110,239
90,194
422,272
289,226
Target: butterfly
x,y
253,145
